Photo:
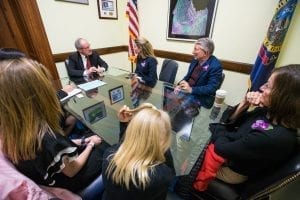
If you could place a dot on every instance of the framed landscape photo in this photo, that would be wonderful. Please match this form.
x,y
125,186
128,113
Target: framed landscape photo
x,y
94,113
191,20
107,9
116,94
77,1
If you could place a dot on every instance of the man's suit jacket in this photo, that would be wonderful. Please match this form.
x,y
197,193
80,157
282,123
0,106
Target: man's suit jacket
x,y
75,67
208,82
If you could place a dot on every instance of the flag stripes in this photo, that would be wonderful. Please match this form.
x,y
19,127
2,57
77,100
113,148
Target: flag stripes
x,y
133,27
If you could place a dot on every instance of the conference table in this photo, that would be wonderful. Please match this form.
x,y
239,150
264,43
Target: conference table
x,y
97,109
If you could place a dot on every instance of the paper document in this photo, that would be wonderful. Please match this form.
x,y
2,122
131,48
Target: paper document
x,y
91,85
71,94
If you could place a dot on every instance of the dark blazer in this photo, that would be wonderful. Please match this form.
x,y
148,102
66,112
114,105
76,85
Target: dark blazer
x,y
252,144
75,67
146,68
208,82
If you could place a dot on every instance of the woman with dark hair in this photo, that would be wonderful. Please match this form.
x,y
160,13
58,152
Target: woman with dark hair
x,y
255,141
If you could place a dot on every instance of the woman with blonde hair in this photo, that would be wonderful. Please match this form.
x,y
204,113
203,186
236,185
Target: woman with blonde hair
x,y
141,167
31,136
146,63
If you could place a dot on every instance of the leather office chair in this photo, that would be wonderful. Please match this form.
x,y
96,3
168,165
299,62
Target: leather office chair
x,y
223,77
172,196
168,71
67,62
284,177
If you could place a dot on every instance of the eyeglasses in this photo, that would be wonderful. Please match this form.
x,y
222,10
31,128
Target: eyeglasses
x,y
87,47
200,48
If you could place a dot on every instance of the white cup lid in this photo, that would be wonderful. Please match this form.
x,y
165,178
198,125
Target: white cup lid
x,y
221,93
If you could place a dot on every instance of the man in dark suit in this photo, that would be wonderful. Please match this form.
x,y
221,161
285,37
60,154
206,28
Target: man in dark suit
x,y
85,62
204,75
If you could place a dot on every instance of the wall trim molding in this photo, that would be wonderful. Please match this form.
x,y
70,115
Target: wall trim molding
x,y
60,57
239,67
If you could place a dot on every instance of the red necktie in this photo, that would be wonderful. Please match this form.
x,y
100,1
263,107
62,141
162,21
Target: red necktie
x,y
195,75
88,62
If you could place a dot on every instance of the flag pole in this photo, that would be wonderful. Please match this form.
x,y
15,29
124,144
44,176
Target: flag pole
x,y
133,27
131,67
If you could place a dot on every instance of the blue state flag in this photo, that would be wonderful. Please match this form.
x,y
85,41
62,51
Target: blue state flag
x,y
270,49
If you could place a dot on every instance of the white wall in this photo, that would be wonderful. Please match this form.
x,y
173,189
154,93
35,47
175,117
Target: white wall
x,y
65,22
240,27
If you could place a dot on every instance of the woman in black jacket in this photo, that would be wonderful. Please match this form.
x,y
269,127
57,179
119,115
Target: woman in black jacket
x,y
141,167
255,141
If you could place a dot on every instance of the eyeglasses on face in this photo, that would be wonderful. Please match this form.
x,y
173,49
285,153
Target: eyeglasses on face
x,y
87,47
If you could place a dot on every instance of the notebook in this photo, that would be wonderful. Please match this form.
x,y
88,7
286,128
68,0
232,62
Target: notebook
x,y
70,94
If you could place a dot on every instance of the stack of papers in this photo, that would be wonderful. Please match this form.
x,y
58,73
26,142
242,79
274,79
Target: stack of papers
x,y
70,94
91,85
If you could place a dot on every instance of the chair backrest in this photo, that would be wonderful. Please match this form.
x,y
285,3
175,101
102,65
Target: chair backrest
x,y
223,77
67,62
168,71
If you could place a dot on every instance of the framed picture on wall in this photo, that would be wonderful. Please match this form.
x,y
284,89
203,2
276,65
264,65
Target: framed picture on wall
x,y
107,9
77,1
191,20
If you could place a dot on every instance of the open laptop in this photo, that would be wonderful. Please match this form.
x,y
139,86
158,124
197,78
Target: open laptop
x,y
94,113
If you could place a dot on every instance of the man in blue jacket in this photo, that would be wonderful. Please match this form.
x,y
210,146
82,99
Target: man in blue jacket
x,y
204,75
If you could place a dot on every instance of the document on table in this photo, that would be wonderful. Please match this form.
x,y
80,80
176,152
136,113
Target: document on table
x,y
71,94
91,85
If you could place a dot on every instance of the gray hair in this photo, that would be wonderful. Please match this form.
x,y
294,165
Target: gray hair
x,y
78,44
206,44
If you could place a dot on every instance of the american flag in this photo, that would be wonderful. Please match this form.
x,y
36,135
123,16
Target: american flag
x,y
133,26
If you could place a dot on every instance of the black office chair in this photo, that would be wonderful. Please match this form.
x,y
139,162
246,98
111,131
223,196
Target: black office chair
x,y
223,77
284,177
67,63
168,71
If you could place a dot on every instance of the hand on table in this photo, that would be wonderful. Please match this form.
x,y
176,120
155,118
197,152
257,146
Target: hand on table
x,y
68,88
183,86
100,70
92,70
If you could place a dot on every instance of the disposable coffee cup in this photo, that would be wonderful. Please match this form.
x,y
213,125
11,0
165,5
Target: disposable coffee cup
x,y
220,97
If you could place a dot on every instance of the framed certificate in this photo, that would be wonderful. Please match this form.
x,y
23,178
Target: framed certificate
x,y
107,9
